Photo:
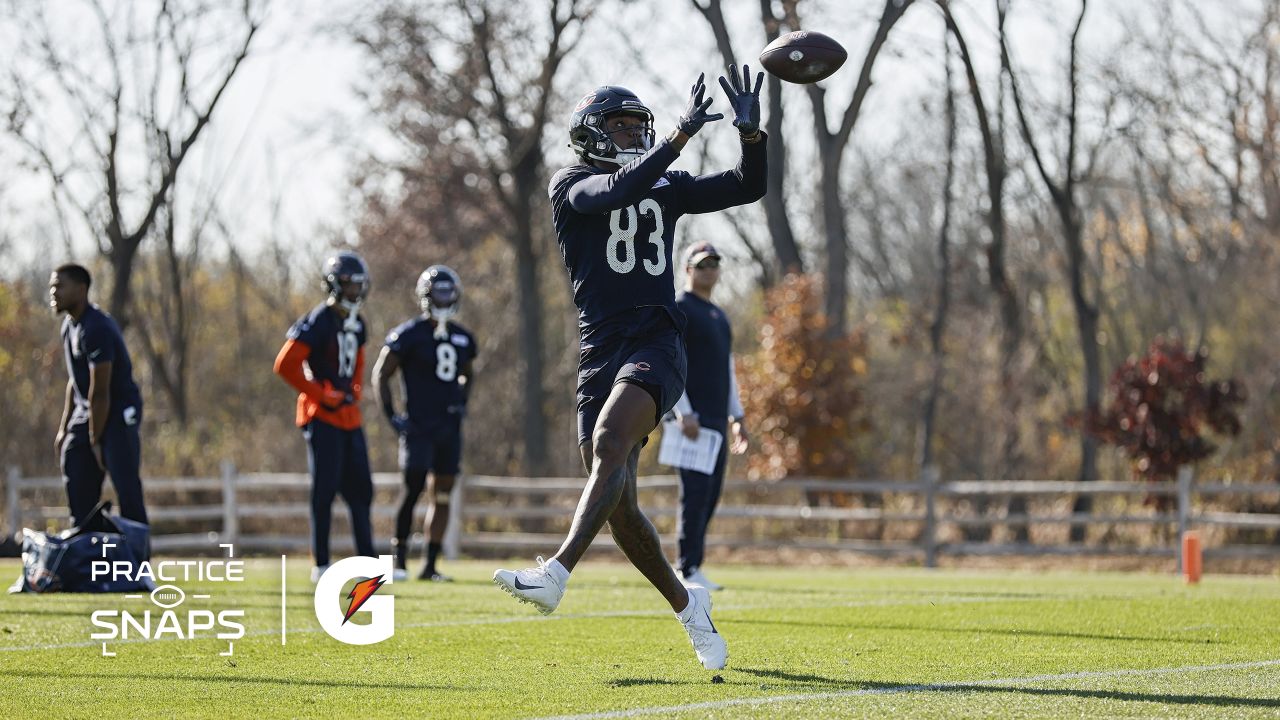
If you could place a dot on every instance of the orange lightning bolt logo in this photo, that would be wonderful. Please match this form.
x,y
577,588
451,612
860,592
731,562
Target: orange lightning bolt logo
x,y
360,593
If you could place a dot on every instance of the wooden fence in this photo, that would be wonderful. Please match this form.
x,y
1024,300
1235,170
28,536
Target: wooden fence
x,y
916,520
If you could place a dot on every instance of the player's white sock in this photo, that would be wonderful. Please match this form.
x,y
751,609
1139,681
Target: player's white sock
x,y
695,618
686,614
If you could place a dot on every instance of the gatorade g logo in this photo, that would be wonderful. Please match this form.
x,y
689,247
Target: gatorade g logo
x,y
334,608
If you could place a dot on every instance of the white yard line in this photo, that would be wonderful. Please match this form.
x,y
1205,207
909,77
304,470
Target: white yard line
x,y
523,618
902,689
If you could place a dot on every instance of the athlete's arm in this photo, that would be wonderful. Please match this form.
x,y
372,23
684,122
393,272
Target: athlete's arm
x,y
466,380
288,366
744,184
597,194
66,416
741,439
357,380
99,399
687,417
384,369
735,397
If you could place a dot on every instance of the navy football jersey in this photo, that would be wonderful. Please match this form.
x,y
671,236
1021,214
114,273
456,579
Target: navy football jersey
x,y
708,342
430,367
96,339
334,347
616,231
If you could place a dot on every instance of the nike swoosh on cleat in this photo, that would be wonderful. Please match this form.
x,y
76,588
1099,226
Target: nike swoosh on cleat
x,y
521,586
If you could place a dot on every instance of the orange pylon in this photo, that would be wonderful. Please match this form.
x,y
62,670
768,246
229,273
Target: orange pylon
x,y
1192,559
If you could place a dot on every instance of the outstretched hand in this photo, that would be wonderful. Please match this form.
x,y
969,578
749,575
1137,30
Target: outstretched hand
x,y
695,115
744,100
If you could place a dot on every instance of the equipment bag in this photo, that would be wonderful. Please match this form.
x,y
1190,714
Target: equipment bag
x,y
63,562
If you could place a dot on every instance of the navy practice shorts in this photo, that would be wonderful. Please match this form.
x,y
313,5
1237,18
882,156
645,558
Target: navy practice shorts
x,y
438,451
654,362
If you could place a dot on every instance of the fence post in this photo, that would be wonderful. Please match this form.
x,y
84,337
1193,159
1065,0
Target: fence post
x,y
1184,511
453,534
930,516
11,499
230,512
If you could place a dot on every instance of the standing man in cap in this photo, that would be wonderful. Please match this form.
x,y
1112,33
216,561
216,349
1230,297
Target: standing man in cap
x,y
710,401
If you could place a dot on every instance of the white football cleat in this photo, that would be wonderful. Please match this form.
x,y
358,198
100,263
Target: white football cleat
x,y
316,572
697,578
709,645
537,586
399,575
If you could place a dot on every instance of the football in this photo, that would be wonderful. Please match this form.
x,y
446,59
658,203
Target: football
x,y
803,56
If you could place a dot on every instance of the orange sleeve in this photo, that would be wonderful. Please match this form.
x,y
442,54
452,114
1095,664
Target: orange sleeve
x,y
289,367
357,381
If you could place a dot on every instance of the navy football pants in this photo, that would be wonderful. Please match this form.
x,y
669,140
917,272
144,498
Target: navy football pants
x,y
339,463
699,495
82,477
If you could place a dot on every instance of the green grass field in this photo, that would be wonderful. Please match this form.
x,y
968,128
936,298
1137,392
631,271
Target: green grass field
x,y
802,643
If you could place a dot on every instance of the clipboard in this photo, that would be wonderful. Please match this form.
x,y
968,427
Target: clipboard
x,y
699,455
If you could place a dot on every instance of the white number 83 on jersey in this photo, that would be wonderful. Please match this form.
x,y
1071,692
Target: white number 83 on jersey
x,y
621,252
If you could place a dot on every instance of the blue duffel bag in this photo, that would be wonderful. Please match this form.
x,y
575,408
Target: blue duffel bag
x,y
64,562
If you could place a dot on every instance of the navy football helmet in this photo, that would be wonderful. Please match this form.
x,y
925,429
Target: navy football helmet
x,y
439,292
345,267
587,135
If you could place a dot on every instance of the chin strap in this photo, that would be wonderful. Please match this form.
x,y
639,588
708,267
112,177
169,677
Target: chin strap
x,y
441,316
352,323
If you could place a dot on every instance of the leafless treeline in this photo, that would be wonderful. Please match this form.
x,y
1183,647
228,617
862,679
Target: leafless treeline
x,y
1033,221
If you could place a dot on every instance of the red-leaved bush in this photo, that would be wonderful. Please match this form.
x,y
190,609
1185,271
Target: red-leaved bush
x,y
1162,406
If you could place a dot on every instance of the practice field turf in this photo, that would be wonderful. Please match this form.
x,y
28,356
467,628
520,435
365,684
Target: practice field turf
x,y
802,643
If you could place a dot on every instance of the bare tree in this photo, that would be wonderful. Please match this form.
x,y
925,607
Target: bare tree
x,y
991,126
831,145
480,75
938,327
785,249
140,102
1062,193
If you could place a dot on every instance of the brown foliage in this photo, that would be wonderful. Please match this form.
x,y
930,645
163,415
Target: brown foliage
x,y
801,388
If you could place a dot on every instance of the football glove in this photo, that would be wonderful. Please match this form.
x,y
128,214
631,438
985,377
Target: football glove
x,y
401,423
695,115
744,101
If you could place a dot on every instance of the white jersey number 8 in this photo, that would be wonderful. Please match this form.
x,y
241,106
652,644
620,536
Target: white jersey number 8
x,y
446,362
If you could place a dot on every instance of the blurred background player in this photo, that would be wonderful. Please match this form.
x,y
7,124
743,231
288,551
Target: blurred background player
x,y
435,356
323,358
710,400
615,214
98,433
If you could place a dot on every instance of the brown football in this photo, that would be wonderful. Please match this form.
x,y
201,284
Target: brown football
x,y
803,56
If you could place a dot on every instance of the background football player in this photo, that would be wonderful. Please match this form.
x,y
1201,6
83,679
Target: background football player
x,y
615,214
98,434
323,358
434,356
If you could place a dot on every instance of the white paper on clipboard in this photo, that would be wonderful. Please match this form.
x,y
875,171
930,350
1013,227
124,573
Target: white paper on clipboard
x,y
699,455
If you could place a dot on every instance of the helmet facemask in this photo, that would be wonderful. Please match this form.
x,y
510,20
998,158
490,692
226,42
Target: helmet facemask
x,y
347,268
622,156
591,140
439,294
